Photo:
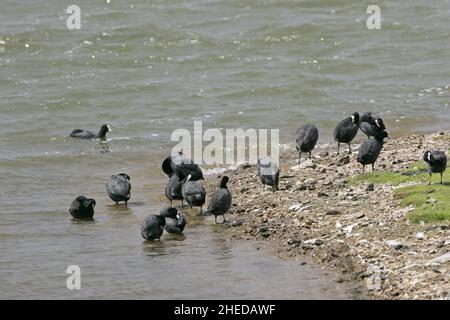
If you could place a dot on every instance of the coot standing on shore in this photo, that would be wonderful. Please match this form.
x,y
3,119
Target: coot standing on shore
x,y
306,140
371,125
436,162
220,201
346,130
268,171
370,150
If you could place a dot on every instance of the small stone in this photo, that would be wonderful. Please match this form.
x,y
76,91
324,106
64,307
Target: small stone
x,y
440,244
324,154
370,187
441,259
343,161
394,244
420,235
348,229
322,194
373,282
295,207
333,212
315,242
308,164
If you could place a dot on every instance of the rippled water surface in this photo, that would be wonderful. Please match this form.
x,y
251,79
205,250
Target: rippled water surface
x,y
149,67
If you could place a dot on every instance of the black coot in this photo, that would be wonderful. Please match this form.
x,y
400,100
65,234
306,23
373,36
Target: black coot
x,y
346,130
306,140
86,134
82,208
436,162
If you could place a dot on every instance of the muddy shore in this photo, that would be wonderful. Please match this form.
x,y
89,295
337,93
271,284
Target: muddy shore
x,y
359,230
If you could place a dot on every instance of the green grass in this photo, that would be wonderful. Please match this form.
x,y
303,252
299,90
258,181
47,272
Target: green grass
x,y
393,178
431,202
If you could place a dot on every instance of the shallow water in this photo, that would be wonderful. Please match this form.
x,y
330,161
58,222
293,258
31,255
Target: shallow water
x,y
149,67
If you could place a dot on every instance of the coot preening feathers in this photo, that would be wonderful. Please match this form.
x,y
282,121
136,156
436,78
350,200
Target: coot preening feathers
x,y
306,140
370,149
175,222
153,226
268,171
371,125
220,201
173,187
346,130
436,162
184,164
86,134
193,192
118,188
82,208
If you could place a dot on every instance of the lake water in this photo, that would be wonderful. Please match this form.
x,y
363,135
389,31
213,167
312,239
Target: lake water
x,y
150,67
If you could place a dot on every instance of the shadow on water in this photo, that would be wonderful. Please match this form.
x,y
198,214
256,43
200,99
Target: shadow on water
x,y
154,248
83,221
118,209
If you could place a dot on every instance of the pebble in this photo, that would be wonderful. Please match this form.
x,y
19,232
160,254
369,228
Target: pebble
x,y
343,161
394,244
420,235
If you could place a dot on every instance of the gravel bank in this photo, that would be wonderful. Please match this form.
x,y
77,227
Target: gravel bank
x,y
358,230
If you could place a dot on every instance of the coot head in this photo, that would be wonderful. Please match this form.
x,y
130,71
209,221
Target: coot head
x,y
125,176
355,117
224,181
170,212
103,130
380,136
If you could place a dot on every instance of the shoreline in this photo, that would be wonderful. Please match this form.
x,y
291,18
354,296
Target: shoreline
x,y
360,229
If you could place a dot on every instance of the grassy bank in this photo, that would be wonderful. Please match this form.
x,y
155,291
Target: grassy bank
x,y
431,202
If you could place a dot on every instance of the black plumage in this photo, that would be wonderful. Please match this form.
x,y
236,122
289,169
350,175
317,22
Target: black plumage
x,y
185,165
86,134
175,224
306,139
220,201
346,130
268,171
194,193
118,188
153,226
82,208
370,149
436,162
371,125
174,186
